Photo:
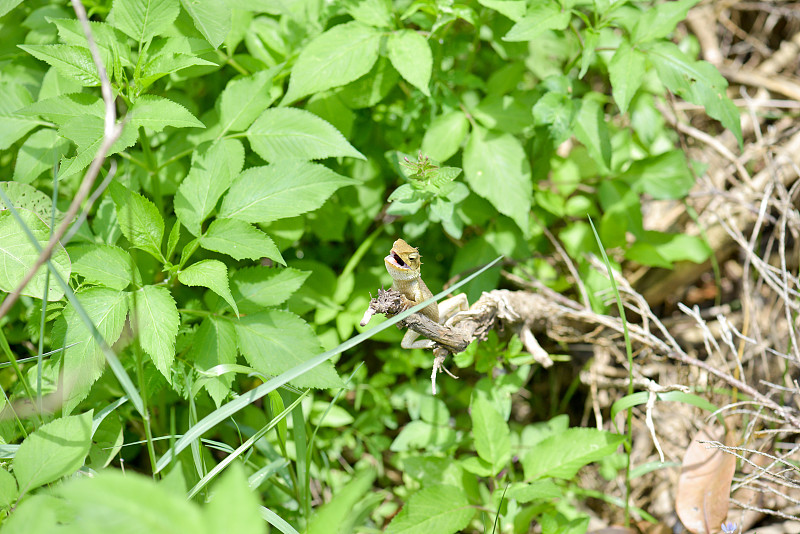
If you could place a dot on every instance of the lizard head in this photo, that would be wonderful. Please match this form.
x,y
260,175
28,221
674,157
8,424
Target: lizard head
x,y
403,262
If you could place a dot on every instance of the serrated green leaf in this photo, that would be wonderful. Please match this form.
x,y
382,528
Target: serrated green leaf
x,y
103,264
696,81
591,129
110,42
211,17
239,240
660,20
445,135
14,125
283,189
243,99
156,113
275,341
497,169
371,88
18,255
256,288
340,55
214,344
88,133
562,455
411,55
212,173
626,72
156,323
139,219
540,18
72,61
143,19
54,450
83,359
290,133
60,109
212,274
440,508
38,154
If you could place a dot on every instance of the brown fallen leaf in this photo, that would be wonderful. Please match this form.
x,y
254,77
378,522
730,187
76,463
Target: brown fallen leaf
x,y
704,485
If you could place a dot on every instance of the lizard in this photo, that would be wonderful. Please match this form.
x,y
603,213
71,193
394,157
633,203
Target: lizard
x,y
404,265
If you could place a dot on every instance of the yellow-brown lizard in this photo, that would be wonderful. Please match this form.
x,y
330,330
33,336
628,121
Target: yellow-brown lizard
x,y
403,264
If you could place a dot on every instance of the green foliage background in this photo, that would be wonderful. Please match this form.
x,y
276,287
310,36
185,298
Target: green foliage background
x,y
270,153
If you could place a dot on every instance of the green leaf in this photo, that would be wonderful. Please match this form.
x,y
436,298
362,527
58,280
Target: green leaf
x,y
696,81
290,133
445,135
562,455
591,129
371,88
411,55
283,189
212,173
491,433
239,240
214,344
83,359
557,111
677,247
139,219
275,341
87,133
660,20
234,507
626,73
541,17
243,99
29,198
256,288
143,19
9,492
440,508
110,42
38,154
212,274
157,322
666,176
60,109
156,113
8,5
14,125
539,490
423,435
513,9
18,255
72,61
497,169
340,55
337,514
52,451
211,17
128,502
106,265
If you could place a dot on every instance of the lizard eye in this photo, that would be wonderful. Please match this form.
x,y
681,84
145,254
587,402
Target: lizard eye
x,y
413,257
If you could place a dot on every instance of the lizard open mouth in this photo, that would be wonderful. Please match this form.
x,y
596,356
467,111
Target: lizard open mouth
x,y
398,259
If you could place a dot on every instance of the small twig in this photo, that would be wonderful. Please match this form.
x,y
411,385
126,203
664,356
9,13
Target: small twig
x,y
111,133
